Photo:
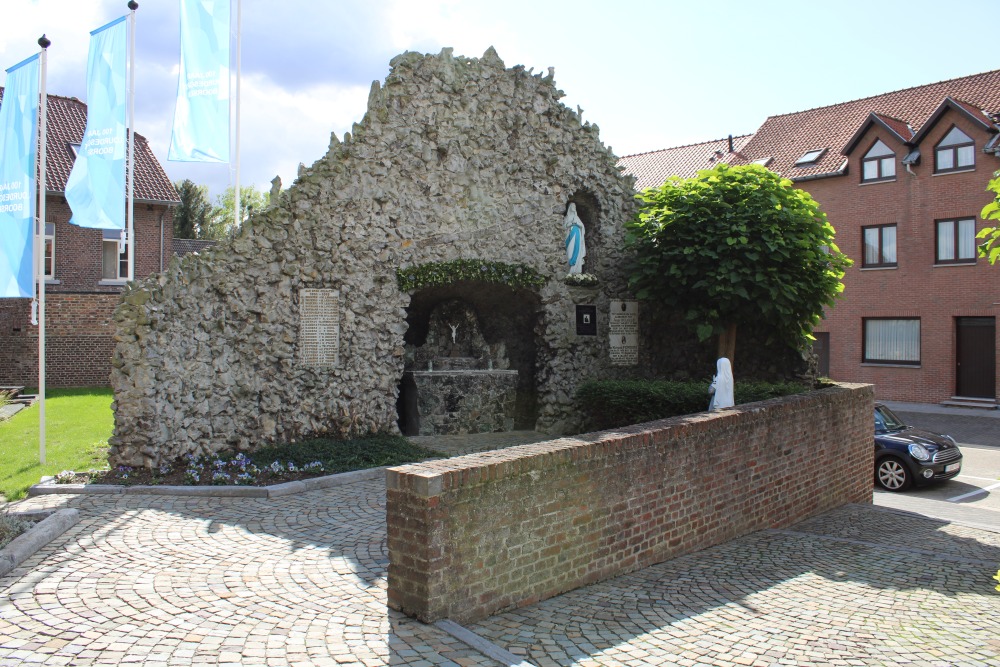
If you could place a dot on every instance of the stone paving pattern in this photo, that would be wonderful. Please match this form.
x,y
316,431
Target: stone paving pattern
x,y
858,586
158,580
300,580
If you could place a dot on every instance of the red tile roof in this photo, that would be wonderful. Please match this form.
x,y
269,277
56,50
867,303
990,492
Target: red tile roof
x,y
653,168
66,121
899,128
787,137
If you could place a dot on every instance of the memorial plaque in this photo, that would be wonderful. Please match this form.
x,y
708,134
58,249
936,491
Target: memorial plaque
x,y
623,332
319,327
586,320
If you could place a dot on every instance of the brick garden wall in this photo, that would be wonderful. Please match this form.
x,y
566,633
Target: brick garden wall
x,y
478,534
78,340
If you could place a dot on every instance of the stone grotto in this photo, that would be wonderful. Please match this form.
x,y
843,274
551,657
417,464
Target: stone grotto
x,y
451,265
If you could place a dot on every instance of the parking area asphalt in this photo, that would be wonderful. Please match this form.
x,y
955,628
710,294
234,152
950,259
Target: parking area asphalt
x,y
300,580
974,496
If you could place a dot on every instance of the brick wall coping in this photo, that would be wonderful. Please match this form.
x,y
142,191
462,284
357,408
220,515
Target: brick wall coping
x,y
431,478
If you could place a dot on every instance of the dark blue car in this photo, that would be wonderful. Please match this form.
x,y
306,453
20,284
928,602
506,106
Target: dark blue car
x,y
905,456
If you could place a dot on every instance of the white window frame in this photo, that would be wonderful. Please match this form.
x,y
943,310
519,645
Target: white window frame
x,y
49,254
112,236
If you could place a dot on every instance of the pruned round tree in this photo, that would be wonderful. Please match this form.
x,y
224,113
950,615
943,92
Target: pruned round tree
x,y
734,246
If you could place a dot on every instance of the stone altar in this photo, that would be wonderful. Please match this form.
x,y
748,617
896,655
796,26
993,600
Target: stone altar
x,y
461,383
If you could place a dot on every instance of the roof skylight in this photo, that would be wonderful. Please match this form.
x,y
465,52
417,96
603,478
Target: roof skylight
x,y
810,157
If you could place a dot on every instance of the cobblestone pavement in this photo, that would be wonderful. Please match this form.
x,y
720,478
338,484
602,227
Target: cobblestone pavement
x,y
157,580
300,580
858,586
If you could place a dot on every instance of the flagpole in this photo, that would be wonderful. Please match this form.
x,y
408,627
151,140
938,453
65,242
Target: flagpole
x,y
239,64
130,232
43,42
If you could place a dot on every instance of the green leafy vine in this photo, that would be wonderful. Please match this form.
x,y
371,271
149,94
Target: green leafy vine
x,y
434,274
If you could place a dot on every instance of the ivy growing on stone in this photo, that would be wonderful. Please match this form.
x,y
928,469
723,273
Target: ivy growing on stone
x,y
435,274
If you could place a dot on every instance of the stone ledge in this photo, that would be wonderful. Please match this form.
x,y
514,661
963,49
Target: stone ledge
x,y
24,546
48,487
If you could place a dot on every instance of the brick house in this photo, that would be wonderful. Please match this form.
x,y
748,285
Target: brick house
x,y
902,178
84,271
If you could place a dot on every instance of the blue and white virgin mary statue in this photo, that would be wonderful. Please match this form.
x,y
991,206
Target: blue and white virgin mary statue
x,y
576,248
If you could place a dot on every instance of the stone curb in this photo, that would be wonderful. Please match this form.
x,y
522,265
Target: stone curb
x,y
484,646
49,528
47,487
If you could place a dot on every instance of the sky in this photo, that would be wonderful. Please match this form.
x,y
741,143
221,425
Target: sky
x,y
651,74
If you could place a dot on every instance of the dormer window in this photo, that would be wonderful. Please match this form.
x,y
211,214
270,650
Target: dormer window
x,y
956,152
810,157
878,164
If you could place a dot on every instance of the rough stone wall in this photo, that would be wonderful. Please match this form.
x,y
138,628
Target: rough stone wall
x,y
456,158
477,534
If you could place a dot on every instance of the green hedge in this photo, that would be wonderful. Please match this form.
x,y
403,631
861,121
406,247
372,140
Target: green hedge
x,y
435,274
345,455
614,403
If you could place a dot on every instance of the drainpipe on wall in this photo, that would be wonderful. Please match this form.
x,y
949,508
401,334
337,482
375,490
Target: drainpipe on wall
x,y
993,145
911,158
163,214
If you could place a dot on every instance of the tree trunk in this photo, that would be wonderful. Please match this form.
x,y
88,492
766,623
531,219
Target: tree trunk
x,y
727,344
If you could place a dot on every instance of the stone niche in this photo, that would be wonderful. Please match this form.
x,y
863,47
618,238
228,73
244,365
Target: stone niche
x,y
456,160
456,382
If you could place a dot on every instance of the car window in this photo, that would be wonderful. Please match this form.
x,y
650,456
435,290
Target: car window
x,y
886,421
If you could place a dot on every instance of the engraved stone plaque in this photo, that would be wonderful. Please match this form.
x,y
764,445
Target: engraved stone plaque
x,y
319,327
623,326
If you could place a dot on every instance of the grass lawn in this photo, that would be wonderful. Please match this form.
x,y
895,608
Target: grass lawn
x,y
78,423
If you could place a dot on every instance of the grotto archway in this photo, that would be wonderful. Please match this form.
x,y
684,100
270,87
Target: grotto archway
x,y
508,319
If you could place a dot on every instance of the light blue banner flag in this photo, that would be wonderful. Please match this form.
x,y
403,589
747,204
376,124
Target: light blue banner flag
x,y
18,144
201,117
95,190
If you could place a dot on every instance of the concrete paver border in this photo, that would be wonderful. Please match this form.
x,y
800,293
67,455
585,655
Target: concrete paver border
x,y
23,546
484,646
48,487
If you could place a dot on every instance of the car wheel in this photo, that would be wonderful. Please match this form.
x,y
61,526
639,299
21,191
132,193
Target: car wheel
x,y
892,474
